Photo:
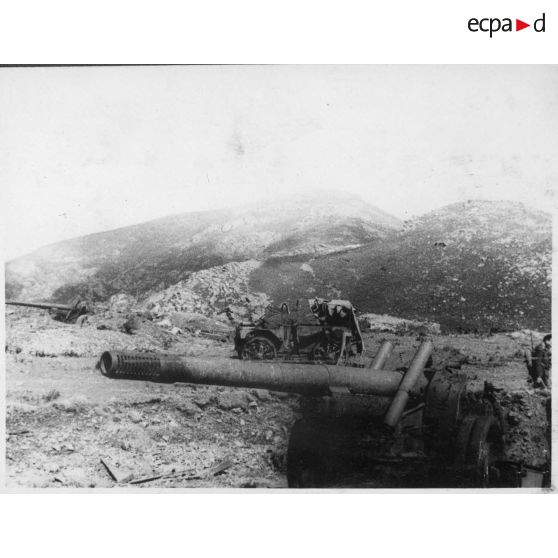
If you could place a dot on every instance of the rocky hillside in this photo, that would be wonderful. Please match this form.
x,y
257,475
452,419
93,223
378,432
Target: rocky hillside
x,y
475,266
211,291
155,255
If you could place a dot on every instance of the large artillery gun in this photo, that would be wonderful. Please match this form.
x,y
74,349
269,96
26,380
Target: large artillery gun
x,y
68,313
362,427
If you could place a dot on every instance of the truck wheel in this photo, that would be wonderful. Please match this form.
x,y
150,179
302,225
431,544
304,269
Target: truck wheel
x,y
328,352
258,348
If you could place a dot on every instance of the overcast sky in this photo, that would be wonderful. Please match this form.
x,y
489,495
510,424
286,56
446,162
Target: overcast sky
x,y
90,149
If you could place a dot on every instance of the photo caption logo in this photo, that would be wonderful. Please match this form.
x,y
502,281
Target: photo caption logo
x,y
493,25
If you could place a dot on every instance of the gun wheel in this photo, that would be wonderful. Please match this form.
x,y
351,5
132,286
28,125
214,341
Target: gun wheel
x,y
258,348
480,446
323,453
305,462
485,449
83,319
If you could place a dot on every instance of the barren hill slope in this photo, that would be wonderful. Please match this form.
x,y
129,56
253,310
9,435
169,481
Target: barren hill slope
x,y
154,255
469,266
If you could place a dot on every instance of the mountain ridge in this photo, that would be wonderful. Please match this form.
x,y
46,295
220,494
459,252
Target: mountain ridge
x,y
156,254
471,266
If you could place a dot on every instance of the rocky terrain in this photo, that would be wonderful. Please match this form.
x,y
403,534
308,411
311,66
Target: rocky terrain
x,y
471,267
155,255
473,277
63,417
68,426
210,292
475,266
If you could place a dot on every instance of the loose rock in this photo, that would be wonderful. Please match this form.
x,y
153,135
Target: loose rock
x,y
189,408
229,400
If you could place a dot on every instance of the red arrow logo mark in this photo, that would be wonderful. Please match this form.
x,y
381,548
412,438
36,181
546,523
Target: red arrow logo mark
x,y
519,25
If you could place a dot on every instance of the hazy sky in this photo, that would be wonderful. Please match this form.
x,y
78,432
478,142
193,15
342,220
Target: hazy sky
x,y
90,149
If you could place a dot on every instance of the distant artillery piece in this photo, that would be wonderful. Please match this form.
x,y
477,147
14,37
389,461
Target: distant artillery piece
x,y
74,313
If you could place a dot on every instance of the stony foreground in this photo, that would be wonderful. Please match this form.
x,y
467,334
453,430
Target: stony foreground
x,y
69,427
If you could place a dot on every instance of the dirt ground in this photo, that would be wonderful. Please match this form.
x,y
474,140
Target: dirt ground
x,y
63,417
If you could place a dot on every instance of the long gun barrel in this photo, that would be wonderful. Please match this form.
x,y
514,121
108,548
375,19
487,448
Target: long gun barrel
x,y
43,305
307,379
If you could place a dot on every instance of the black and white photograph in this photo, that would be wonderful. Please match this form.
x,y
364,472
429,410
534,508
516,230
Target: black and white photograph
x,y
278,277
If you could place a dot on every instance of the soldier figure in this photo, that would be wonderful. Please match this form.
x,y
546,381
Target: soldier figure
x,y
542,361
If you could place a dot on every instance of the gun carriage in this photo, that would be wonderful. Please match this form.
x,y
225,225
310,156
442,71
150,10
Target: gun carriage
x,y
362,426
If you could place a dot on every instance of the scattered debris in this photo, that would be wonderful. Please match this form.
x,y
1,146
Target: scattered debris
x,y
115,474
122,303
142,425
131,325
109,470
233,399
188,475
189,408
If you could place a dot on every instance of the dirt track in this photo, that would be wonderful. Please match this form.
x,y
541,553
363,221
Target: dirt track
x,y
63,417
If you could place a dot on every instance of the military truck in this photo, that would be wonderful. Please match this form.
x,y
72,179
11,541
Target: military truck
x,y
313,330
